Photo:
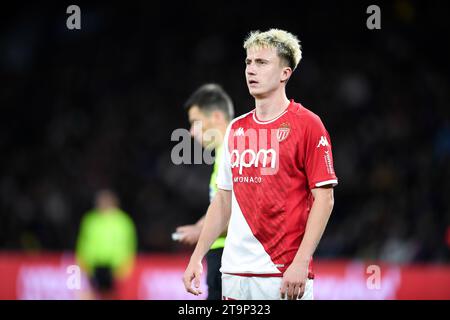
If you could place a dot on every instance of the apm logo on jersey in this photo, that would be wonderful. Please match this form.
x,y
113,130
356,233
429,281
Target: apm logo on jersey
x,y
249,158
250,148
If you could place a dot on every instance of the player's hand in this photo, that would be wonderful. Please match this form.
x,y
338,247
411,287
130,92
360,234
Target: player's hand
x,y
294,281
193,271
189,234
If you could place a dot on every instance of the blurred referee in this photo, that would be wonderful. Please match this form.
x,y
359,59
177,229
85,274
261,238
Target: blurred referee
x,y
211,107
106,245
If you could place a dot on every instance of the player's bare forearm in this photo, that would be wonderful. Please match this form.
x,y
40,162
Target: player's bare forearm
x,y
201,222
317,221
215,222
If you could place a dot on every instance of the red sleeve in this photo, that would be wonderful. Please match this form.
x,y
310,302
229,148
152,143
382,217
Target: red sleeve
x,y
318,157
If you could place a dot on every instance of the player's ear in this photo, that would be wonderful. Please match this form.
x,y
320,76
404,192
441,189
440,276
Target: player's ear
x,y
285,74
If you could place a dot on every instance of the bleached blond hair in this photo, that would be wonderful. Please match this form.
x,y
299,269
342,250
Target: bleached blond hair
x,y
287,44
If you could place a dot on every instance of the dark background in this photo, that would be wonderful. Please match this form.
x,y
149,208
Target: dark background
x,y
93,108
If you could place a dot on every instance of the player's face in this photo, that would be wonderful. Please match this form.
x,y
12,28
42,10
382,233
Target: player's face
x,y
264,71
200,123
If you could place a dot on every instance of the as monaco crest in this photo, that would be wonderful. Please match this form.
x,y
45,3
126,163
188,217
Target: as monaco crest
x,y
283,131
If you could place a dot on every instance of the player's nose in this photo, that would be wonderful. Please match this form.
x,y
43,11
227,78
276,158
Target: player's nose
x,y
250,70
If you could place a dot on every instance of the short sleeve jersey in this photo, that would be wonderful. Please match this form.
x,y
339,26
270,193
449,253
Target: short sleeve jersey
x,y
271,167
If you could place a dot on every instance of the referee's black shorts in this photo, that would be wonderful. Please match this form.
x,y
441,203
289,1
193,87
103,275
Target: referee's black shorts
x,y
214,276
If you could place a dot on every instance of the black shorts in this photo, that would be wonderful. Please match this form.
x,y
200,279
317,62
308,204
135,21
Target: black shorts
x,y
214,276
102,279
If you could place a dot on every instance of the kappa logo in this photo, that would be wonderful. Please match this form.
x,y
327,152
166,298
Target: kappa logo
x,y
323,142
239,132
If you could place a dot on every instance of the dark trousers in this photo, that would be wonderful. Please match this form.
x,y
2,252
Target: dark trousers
x,y
214,276
102,279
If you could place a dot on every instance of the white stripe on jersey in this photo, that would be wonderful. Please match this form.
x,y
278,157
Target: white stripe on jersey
x,y
243,253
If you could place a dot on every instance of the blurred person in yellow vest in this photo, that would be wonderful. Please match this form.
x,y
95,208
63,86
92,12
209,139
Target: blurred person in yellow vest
x,y
106,244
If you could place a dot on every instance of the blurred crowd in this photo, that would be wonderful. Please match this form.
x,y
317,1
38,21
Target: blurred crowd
x,y
95,108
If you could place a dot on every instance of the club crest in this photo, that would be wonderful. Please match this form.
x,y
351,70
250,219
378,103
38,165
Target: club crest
x,y
283,131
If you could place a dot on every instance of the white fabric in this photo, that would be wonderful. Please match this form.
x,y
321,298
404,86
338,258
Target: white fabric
x,y
224,177
243,253
258,288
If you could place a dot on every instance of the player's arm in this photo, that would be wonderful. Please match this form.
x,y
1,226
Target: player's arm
x,y
317,221
317,158
294,279
216,220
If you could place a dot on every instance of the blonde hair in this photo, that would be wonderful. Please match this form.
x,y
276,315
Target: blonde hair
x,y
287,45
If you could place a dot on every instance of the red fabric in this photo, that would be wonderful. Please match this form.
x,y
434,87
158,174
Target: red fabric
x,y
276,206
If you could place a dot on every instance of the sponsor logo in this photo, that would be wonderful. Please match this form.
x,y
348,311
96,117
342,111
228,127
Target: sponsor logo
x,y
328,162
242,179
239,132
323,142
248,158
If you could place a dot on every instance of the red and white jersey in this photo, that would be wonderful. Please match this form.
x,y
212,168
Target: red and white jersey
x,y
271,167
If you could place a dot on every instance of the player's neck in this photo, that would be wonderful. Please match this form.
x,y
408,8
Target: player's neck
x,y
270,107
